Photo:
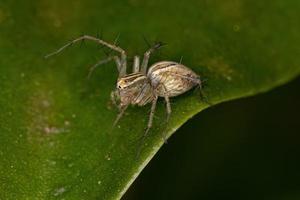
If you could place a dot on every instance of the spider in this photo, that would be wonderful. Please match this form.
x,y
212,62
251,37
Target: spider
x,y
143,85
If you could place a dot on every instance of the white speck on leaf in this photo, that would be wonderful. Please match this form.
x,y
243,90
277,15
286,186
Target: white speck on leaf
x,y
37,83
228,78
107,157
55,130
52,162
59,191
46,103
70,165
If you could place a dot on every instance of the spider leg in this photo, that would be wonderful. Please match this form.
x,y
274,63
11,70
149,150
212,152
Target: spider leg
x,y
115,44
147,56
101,42
122,111
198,82
136,64
150,121
149,125
203,96
200,89
113,98
169,111
101,62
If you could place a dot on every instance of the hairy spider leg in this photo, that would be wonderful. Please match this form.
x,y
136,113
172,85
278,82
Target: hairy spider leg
x,y
150,121
113,98
115,44
136,64
122,70
147,56
121,112
202,95
169,111
149,125
101,62
199,86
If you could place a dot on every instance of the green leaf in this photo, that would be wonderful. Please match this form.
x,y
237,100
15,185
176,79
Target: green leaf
x,y
56,140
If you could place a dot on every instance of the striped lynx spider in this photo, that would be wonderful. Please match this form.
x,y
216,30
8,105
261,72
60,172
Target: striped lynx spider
x,y
143,85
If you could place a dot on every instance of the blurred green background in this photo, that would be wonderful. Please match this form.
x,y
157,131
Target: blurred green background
x,y
243,149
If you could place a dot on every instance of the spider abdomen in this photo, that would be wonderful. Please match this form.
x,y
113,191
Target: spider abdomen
x,y
172,78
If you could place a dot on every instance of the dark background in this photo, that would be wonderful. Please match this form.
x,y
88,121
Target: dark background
x,y
244,149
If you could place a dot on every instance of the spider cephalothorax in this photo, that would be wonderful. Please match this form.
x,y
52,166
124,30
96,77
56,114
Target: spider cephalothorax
x,y
142,86
134,89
